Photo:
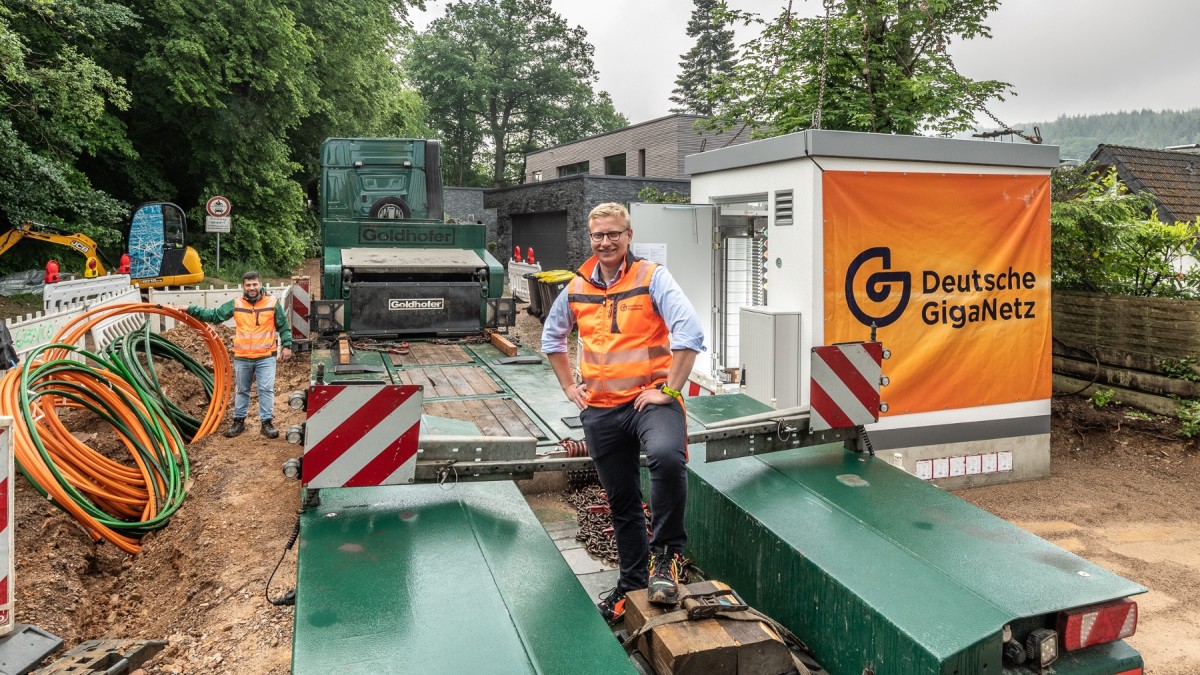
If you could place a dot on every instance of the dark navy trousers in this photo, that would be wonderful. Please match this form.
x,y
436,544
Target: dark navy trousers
x,y
615,437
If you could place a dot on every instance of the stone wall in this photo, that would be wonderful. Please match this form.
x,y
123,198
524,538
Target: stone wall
x,y
466,206
577,195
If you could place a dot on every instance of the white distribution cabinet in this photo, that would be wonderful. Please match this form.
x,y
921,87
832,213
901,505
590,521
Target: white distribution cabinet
x,y
771,363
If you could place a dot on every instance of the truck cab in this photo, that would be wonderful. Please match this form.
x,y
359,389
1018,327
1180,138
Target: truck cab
x,y
390,265
380,178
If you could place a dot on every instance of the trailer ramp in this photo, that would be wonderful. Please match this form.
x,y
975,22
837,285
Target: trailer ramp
x,y
441,579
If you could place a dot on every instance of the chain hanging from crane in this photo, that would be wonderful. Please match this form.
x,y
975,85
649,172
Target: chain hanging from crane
x,y
824,68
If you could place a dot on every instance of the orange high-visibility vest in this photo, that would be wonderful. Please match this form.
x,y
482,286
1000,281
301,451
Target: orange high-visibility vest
x,y
255,336
626,344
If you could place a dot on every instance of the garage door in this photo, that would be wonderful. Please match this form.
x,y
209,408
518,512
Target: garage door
x,y
546,233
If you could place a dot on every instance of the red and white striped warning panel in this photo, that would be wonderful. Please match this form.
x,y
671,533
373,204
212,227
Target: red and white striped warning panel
x,y
361,435
298,309
6,521
845,385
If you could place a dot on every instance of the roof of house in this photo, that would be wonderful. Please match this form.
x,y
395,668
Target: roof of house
x,y
1173,177
617,131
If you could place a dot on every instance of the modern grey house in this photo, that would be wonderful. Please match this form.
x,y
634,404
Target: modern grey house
x,y
563,183
653,149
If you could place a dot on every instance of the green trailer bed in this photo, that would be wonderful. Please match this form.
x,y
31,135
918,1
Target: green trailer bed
x,y
876,569
437,579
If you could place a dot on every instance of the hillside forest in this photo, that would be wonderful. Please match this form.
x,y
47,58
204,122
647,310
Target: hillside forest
x,y
1078,135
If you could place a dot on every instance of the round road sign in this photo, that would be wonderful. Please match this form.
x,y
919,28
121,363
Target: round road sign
x,y
218,206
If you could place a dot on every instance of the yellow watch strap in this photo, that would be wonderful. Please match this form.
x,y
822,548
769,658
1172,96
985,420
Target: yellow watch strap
x,y
671,392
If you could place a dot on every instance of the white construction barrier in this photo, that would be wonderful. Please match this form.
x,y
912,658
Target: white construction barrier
x,y
78,291
6,526
111,328
34,330
516,278
210,297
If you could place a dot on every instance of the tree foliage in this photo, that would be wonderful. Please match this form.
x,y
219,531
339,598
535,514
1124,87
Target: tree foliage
x,y
1107,239
712,58
885,69
58,105
651,195
107,104
506,77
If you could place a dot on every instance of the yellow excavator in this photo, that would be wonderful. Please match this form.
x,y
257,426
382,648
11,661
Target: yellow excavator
x,y
158,255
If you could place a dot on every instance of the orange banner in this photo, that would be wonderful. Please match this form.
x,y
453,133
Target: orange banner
x,y
954,270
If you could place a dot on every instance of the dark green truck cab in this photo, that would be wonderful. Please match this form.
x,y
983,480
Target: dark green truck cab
x,y
390,264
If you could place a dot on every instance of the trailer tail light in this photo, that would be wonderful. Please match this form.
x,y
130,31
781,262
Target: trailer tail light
x,y
1097,624
1135,671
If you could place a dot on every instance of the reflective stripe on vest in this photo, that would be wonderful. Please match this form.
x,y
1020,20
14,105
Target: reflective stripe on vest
x,y
255,336
626,344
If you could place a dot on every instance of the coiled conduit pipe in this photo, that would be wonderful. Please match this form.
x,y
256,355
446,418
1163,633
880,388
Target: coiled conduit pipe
x,y
113,501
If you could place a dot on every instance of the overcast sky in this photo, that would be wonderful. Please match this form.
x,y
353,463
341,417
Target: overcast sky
x,y
1061,56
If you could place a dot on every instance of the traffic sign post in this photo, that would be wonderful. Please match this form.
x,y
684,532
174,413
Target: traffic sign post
x,y
218,220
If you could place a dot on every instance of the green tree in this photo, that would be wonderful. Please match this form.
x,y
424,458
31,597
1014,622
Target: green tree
x,y
356,50
651,195
58,105
712,58
884,69
1077,136
1109,240
218,87
502,77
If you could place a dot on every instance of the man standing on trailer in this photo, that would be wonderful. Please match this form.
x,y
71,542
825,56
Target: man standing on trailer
x,y
258,318
640,338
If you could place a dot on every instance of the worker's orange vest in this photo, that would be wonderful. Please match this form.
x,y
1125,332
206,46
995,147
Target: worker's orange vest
x,y
255,337
626,344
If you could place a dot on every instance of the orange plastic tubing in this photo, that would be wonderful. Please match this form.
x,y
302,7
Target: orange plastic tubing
x,y
124,492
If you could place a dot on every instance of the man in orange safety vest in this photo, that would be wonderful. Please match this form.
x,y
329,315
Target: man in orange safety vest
x,y
258,317
640,338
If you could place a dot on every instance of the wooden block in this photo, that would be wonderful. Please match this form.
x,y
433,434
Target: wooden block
x,y
708,646
502,343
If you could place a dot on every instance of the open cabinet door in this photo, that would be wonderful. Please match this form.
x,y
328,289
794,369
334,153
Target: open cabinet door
x,y
681,237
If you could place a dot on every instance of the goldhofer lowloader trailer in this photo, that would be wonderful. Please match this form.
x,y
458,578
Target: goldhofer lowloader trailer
x,y
418,554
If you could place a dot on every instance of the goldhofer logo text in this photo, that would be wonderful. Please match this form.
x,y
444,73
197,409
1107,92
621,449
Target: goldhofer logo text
x,y
417,303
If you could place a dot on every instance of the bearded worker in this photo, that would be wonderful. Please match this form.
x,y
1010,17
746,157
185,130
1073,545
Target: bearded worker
x,y
258,318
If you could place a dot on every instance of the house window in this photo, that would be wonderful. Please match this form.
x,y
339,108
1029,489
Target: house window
x,y
642,162
573,169
614,165
537,176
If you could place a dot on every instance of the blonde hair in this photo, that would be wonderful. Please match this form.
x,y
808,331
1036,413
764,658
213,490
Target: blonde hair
x,y
609,210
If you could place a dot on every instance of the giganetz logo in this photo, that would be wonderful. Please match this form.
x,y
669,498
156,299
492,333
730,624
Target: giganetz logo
x,y
880,286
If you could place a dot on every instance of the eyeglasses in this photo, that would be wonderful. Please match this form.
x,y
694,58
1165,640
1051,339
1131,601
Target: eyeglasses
x,y
612,236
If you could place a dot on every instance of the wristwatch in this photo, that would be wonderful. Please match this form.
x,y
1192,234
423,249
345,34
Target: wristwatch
x,y
669,391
